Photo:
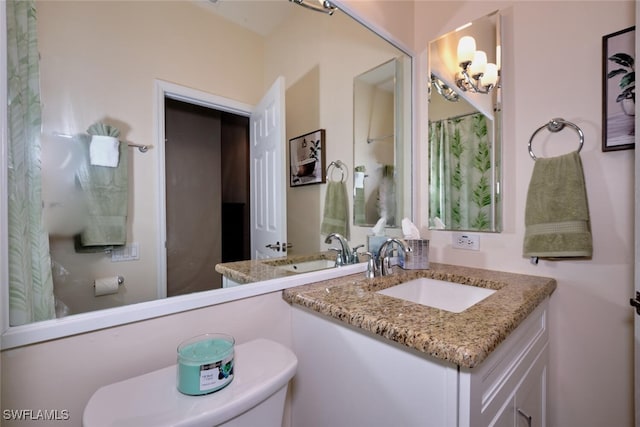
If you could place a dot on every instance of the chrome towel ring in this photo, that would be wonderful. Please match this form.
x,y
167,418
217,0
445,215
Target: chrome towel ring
x,y
556,125
337,164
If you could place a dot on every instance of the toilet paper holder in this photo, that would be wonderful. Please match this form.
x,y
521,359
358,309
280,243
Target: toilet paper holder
x,y
120,281
107,285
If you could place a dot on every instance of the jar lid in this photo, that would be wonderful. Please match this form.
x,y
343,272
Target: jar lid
x,y
206,348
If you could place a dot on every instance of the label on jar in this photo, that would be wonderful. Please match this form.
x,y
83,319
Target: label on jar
x,y
216,375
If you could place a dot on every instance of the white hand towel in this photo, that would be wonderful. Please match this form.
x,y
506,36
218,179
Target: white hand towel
x,y
104,151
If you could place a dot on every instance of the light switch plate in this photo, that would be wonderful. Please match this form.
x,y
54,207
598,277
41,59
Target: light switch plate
x,y
466,241
128,252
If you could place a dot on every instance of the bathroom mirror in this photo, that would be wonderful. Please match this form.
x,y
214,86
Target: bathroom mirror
x,y
380,97
232,49
465,128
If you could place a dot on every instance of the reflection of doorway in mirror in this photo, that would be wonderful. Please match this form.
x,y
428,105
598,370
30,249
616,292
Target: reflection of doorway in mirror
x,y
207,197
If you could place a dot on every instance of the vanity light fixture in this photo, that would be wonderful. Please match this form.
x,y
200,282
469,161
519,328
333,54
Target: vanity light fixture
x,y
324,6
445,91
477,75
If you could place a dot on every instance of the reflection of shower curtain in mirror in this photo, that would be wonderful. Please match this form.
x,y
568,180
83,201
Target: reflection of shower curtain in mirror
x,y
30,278
460,165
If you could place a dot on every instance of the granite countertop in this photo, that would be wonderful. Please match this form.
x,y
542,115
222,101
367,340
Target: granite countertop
x,y
251,271
465,338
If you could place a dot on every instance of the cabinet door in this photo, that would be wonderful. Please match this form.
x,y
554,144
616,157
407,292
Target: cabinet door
x,y
531,396
506,416
526,407
346,378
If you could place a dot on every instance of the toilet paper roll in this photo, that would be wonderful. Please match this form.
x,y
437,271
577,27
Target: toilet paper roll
x,y
106,286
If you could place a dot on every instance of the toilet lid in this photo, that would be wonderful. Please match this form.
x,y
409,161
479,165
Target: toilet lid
x,y
261,367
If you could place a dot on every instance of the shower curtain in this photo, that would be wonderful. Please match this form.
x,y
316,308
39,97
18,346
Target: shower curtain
x,y
460,168
30,278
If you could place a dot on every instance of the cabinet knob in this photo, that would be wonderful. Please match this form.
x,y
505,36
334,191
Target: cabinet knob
x,y
526,417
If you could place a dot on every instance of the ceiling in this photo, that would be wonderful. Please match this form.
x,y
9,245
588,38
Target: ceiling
x,y
260,16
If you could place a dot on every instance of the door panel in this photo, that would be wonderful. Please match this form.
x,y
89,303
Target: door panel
x,y
268,175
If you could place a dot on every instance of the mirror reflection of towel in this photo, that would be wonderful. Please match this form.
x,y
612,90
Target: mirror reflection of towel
x,y
359,216
106,190
557,212
336,210
104,151
387,195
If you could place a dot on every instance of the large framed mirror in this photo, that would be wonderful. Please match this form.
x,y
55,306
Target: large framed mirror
x,y
465,127
101,61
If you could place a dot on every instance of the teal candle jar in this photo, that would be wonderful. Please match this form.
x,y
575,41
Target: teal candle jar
x,y
205,364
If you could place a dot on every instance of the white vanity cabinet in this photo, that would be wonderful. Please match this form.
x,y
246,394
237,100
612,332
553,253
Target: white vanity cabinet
x,y
510,385
229,283
350,377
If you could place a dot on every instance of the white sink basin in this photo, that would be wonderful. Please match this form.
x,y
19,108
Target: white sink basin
x,y
440,294
308,266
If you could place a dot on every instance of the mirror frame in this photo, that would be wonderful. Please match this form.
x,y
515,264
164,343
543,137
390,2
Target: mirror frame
x,y
16,336
496,120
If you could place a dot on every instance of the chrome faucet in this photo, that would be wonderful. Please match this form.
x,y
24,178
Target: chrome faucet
x,y
380,264
344,254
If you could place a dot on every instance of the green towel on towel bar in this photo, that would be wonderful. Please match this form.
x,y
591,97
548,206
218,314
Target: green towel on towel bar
x,y
359,216
557,212
336,210
106,190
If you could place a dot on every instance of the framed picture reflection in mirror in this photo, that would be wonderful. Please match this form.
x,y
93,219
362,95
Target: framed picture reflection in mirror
x,y
307,159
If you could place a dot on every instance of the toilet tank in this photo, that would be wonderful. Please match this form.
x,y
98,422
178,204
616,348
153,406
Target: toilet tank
x,y
257,394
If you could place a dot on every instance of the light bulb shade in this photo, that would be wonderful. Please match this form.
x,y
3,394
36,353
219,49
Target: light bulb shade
x,y
466,49
490,76
478,63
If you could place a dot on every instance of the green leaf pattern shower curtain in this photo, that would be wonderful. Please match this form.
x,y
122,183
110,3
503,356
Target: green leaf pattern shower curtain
x,y
30,278
459,175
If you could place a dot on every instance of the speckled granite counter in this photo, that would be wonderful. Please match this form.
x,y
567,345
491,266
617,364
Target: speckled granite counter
x,y
258,270
465,339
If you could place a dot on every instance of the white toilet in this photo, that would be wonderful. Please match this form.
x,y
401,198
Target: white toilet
x,y
255,397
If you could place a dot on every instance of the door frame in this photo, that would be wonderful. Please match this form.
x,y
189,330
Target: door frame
x,y
162,90
636,271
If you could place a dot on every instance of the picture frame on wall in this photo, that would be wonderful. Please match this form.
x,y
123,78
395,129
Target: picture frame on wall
x,y
307,159
618,90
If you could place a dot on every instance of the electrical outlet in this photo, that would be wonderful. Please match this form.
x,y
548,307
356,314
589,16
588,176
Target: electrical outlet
x,y
466,241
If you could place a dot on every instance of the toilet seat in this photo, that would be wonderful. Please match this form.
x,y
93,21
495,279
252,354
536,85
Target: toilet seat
x,y
262,367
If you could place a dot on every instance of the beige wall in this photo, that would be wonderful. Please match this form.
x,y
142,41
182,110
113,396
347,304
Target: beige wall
x,y
554,62
552,68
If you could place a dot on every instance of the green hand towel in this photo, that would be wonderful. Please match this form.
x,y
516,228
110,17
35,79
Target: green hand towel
x,y
557,212
336,210
106,191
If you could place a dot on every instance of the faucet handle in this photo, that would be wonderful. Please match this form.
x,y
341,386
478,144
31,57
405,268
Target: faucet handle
x,y
339,261
372,267
354,254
